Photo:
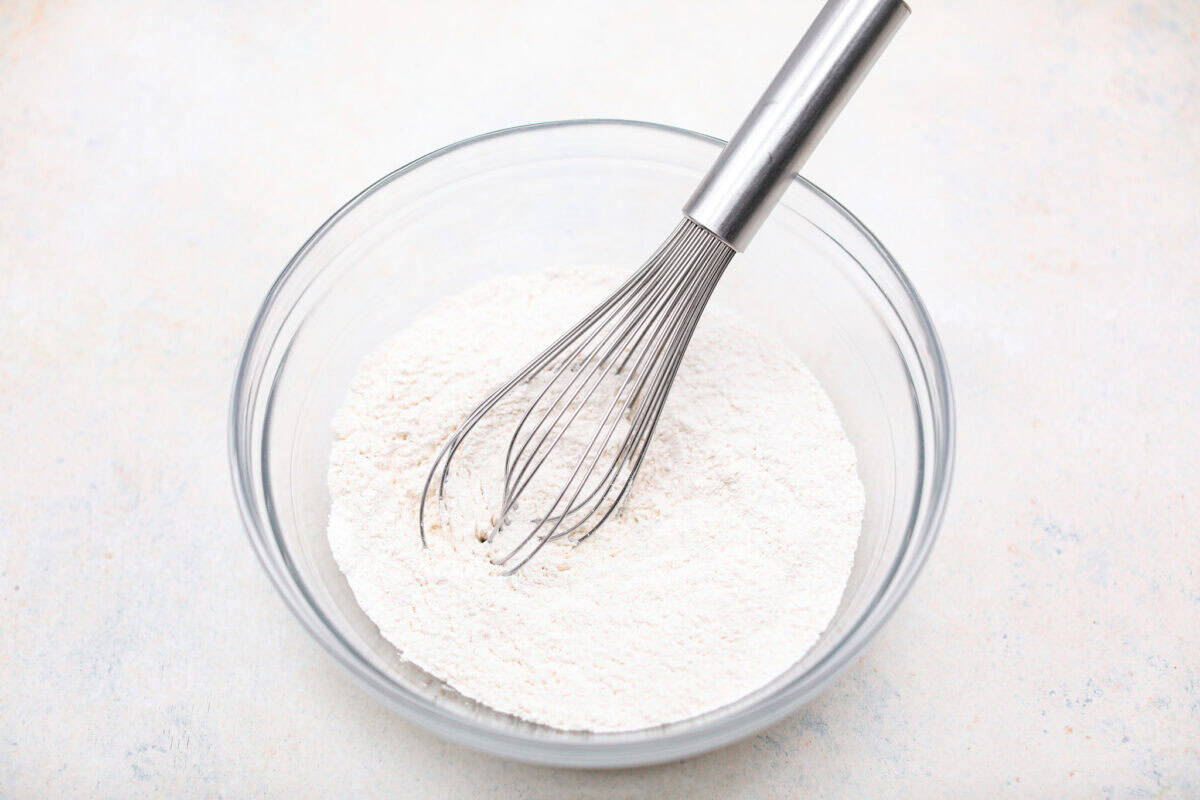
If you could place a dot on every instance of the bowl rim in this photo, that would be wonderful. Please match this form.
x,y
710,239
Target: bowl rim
x,y
624,749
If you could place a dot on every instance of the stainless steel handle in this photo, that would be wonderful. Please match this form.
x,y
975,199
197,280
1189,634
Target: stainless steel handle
x,y
781,131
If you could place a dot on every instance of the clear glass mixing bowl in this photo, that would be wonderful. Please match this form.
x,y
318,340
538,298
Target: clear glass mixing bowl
x,y
588,192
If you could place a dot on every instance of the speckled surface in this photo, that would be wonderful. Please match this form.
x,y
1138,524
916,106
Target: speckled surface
x,y
1034,165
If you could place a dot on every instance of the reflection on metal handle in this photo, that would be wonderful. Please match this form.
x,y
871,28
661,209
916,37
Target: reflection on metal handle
x,y
781,131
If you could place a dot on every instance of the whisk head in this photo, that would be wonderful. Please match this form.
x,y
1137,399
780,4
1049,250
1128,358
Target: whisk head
x,y
598,393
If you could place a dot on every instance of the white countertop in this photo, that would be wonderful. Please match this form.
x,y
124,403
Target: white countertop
x,y
1033,165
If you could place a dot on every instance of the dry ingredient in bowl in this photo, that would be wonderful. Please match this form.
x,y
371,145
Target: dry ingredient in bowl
x,y
726,562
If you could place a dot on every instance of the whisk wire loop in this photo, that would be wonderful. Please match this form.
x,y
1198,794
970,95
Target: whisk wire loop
x,y
636,339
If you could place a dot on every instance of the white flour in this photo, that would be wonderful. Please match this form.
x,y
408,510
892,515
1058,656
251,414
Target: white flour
x,y
723,567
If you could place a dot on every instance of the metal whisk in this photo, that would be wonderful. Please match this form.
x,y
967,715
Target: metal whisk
x,y
619,362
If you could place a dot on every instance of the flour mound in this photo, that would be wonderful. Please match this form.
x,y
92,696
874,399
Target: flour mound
x,y
726,562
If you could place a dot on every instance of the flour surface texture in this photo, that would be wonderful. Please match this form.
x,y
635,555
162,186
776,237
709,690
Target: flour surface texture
x,y
724,565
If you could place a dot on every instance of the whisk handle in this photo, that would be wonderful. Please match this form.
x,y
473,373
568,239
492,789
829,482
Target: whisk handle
x,y
754,169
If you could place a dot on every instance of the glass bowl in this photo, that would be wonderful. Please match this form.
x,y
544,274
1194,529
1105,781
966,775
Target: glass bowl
x,y
584,192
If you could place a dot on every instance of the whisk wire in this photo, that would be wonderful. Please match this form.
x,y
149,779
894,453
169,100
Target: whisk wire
x,y
605,361
592,455
645,421
639,334
654,274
